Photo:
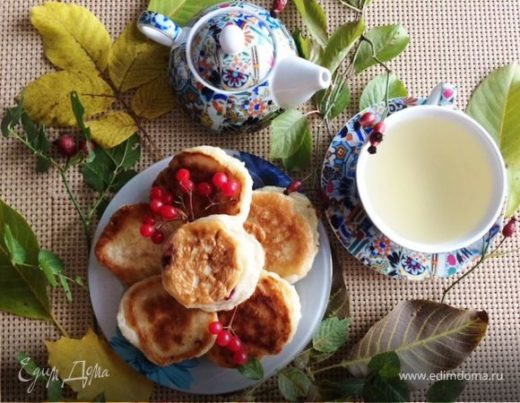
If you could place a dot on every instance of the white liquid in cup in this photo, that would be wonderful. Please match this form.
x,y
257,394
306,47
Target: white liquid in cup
x,y
437,180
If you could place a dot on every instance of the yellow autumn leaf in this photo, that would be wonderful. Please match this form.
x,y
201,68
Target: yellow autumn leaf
x,y
112,129
153,99
91,368
47,99
134,60
73,38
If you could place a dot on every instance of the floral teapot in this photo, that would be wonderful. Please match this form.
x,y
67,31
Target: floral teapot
x,y
235,66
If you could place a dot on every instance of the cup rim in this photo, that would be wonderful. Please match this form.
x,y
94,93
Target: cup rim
x,y
499,177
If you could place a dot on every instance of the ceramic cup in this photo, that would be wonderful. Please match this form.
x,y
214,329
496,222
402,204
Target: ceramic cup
x,y
495,166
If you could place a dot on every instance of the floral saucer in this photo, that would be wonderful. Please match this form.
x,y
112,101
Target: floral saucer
x,y
355,230
199,375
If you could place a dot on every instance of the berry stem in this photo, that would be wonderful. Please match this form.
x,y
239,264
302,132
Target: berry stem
x,y
483,257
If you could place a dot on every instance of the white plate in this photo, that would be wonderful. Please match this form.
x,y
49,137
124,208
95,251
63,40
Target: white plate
x,y
106,291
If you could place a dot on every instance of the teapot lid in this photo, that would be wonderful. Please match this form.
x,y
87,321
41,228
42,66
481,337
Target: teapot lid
x,y
232,49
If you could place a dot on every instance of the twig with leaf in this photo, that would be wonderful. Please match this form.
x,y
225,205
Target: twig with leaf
x,y
348,51
105,171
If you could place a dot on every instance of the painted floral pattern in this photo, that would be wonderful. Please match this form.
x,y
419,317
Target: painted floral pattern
x,y
355,230
247,104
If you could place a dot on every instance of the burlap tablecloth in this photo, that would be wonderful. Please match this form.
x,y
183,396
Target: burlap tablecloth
x,y
459,41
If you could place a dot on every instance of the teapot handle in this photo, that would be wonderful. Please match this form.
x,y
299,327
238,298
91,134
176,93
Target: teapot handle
x,y
160,28
443,94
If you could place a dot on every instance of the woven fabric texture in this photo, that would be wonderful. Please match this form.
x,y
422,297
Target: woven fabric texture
x,y
457,41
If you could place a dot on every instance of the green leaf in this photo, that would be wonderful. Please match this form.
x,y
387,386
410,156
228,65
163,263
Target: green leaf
x,y
447,390
375,90
342,390
386,365
51,265
23,290
16,251
289,131
494,104
307,47
379,389
253,369
333,105
301,159
388,40
314,18
66,288
293,384
340,44
427,336
181,11
121,179
79,113
37,138
331,335
11,118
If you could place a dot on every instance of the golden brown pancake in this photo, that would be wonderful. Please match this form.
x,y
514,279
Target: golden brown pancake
x,y
122,249
160,327
203,162
287,228
212,264
265,323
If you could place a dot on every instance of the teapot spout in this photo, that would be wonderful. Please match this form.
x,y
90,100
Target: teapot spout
x,y
295,80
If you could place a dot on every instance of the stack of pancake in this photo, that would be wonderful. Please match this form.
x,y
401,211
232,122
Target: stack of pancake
x,y
235,263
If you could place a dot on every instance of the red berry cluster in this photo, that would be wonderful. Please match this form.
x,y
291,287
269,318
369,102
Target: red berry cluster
x,y
367,120
162,202
227,340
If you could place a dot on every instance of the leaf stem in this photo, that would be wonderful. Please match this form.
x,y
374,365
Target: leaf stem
x,y
157,154
483,257
85,223
353,8
59,325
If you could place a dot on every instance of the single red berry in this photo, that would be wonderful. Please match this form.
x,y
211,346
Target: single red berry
x,y
294,186
167,198
230,188
147,230
235,344
156,193
375,137
510,228
240,357
187,185
182,175
155,205
219,179
204,189
169,212
148,220
223,338
367,119
157,237
372,149
380,127
215,327
66,144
